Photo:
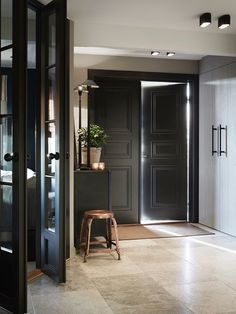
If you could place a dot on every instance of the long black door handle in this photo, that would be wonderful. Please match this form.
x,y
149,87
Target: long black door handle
x,y
213,129
225,150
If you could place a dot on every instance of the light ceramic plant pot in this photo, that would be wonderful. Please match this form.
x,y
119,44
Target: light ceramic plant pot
x,y
95,155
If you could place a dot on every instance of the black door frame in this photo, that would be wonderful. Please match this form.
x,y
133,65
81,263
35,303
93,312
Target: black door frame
x,y
54,265
14,265
193,80
37,6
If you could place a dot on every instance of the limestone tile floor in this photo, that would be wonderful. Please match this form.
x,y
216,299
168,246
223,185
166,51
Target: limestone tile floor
x,y
175,276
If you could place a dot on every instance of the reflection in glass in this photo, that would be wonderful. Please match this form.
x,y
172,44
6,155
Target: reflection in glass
x,y
6,82
6,22
3,86
31,39
6,131
6,58
6,218
51,94
50,202
50,148
52,39
6,146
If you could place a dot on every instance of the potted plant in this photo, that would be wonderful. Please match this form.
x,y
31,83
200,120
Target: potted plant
x,y
98,138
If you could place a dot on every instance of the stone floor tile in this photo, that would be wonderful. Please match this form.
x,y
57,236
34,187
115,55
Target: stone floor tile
x,y
77,302
137,294
205,297
106,266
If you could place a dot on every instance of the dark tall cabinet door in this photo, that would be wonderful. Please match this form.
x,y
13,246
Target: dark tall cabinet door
x,y
13,52
117,110
53,140
164,153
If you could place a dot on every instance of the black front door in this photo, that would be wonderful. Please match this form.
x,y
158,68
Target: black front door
x,y
53,153
164,153
13,16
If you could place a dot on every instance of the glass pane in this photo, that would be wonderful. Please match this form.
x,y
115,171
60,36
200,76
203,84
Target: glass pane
x,y
52,39
6,147
31,39
50,148
50,110
6,22
6,60
6,83
50,202
6,218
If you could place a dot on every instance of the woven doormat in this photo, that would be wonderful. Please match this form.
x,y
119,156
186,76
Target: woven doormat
x,y
165,230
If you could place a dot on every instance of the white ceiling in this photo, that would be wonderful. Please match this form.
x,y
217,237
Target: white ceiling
x,y
135,27
133,53
163,14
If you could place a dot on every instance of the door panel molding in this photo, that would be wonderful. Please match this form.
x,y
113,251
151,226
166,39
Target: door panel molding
x,y
171,174
163,149
123,185
118,149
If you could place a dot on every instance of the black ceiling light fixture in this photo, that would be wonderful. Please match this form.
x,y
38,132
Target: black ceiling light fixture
x,y
155,53
224,21
205,20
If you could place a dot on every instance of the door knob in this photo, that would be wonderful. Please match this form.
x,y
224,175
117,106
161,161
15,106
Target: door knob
x,y
11,157
55,156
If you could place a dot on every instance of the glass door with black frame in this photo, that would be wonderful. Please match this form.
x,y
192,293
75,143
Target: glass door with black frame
x,y
53,140
13,156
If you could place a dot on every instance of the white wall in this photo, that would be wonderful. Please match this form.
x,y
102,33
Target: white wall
x,y
92,34
84,62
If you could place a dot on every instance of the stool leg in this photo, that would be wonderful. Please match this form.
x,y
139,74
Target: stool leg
x,y
81,232
88,234
108,231
116,238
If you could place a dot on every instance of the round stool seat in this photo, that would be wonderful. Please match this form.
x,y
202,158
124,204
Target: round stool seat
x,y
98,214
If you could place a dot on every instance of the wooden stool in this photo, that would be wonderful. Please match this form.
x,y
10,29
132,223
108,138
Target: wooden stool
x,y
87,220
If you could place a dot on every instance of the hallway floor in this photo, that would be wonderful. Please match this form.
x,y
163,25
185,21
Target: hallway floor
x,y
175,276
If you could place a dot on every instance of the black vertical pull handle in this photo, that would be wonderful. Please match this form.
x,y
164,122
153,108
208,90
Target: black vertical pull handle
x,y
225,150
226,140
213,151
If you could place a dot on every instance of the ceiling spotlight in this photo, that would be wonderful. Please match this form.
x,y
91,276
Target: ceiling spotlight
x,y
155,53
224,21
205,20
170,54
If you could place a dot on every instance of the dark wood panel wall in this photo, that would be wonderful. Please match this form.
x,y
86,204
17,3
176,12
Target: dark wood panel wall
x,y
116,108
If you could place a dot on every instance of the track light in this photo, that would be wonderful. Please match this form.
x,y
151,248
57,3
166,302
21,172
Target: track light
x,y
224,21
170,54
205,20
155,53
